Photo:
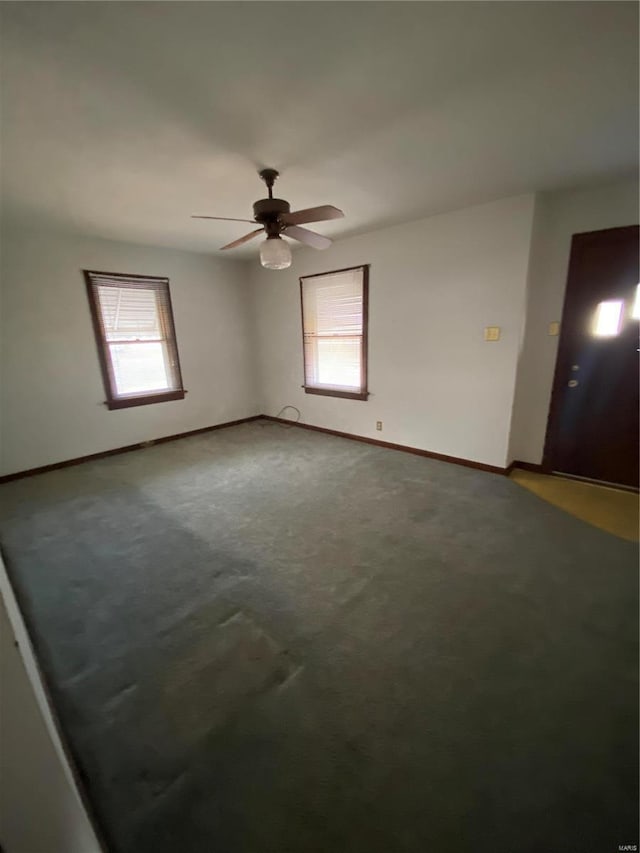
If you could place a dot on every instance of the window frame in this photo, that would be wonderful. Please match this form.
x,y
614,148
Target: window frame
x,y
363,394
158,283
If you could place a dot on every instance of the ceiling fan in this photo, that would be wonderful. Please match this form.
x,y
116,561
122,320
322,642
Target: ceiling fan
x,y
275,218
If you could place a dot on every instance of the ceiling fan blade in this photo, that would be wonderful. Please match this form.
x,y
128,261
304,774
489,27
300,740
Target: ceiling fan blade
x,y
244,239
309,238
312,214
223,218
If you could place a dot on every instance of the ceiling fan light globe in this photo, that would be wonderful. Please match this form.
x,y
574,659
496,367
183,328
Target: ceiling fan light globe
x,y
275,254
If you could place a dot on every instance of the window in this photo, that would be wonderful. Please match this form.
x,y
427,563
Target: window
x,y
133,323
334,327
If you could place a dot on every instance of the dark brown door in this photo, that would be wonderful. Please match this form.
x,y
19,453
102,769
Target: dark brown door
x,y
593,422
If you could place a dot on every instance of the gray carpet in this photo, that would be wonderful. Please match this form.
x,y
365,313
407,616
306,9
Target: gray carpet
x,y
268,640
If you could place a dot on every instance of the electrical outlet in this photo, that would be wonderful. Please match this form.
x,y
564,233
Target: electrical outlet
x,y
379,425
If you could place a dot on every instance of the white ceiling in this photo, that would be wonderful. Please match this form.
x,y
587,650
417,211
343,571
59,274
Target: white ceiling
x,y
122,119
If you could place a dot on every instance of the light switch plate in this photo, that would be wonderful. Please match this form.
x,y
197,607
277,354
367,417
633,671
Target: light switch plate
x,y
492,333
554,328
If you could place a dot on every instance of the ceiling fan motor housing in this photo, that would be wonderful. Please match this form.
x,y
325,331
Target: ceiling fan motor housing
x,y
267,212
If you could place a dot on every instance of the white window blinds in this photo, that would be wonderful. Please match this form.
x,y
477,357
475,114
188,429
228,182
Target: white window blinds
x,y
334,329
136,338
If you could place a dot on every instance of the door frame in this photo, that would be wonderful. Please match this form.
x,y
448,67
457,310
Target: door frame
x,y
583,238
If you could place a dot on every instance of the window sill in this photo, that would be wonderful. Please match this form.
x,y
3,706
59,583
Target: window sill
x,y
333,392
144,400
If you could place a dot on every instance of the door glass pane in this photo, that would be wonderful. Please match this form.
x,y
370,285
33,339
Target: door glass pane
x,y
608,318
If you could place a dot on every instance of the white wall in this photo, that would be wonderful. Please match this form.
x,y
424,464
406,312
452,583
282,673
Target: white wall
x,y
434,285
558,216
51,387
